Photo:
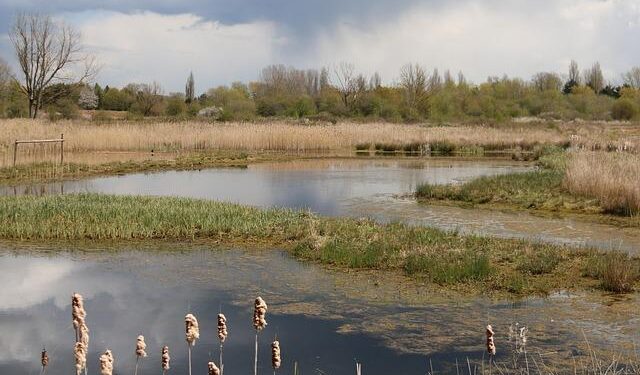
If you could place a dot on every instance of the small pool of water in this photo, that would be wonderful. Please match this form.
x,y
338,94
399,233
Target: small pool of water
x,y
325,320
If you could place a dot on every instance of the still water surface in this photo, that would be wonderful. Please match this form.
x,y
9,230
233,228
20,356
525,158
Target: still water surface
x,y
359,188
325,320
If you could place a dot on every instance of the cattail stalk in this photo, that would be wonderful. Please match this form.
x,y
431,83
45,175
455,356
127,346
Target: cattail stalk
x,y
275,356
141,347
222,336
213,369
491,346
165,359
192,333
44,360
259,322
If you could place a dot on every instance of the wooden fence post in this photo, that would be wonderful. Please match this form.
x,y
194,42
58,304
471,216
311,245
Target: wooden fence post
x,y
61,149
15,152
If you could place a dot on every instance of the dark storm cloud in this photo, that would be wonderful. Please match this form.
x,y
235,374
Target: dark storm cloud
x,y
304,17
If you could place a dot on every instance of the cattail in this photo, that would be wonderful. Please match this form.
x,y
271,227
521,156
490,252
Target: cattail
x,y
165,359
259,312
83,333
222,335
213,369
44,359
192,331
140,347
222,327
491,347
106,363
259,322
80,355
275,355
78,313
140,351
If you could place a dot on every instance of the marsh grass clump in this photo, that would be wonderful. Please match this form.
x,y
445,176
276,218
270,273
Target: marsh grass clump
x,y
617,271
442,147
366,146
449,268
540,261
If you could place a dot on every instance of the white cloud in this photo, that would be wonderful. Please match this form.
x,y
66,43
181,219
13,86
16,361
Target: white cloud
x,y
143,47
493,37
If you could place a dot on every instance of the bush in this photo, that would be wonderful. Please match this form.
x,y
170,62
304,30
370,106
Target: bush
x,y
623,109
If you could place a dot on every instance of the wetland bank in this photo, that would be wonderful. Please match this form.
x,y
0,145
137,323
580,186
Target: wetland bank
x,y
336,243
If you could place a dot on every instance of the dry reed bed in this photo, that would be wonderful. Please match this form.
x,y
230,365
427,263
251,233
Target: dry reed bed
x,y
612,178
275,136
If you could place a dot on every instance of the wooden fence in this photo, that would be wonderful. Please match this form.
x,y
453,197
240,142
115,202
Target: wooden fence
x,y
35,141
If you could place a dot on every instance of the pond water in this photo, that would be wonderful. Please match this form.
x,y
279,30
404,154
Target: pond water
x,y
358,188
325,320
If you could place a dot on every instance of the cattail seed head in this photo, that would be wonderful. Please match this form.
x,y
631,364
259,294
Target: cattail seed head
x,y
78,313
213,369
275,355
84,333
192,331
44,359
80,355
491,347
141,346
106,363
259,313
222,327
165,358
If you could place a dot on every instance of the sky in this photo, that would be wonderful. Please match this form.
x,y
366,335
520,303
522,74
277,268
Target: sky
x,y
223,41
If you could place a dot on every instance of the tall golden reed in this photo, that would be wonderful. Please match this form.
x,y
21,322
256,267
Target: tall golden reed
x,y
610,177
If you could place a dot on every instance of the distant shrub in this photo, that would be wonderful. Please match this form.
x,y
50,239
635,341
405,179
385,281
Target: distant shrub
x,y
623,109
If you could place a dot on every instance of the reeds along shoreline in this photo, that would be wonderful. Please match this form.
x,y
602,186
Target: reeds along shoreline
x,y
611,178
274,136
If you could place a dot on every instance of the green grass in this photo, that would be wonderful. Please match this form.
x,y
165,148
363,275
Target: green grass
x,y
468,263
540,188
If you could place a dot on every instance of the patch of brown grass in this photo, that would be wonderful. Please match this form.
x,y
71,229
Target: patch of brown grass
x,y
268,136
612,178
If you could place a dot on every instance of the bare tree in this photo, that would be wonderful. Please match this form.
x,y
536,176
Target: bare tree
x,y
546,81
189,89
47,50
632,77
148,97
594,78
574,72
414,81
346,82
435,81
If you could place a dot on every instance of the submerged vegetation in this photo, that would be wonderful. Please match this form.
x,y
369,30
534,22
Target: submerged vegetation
x,y
468,263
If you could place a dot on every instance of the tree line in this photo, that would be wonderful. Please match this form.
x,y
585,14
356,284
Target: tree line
x,y
47,50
